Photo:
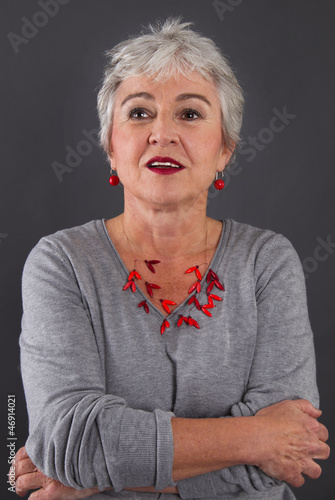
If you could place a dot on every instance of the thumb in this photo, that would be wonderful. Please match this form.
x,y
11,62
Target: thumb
x,y
308,408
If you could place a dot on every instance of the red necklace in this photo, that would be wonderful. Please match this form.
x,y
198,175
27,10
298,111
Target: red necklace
x,y
212,281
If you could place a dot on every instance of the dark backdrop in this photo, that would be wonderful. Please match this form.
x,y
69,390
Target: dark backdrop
x,y
51,66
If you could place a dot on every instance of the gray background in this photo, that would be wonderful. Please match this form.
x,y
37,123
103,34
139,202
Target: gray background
x,y
283,54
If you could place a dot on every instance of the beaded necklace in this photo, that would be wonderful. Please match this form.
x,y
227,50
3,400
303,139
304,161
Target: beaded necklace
x,y
212,281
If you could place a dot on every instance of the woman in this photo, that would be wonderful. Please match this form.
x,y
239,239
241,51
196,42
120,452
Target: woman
x,y
141,332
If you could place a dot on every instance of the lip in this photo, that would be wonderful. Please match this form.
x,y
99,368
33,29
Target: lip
x,y
165,170
164,159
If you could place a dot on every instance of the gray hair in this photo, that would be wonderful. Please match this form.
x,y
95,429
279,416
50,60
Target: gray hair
x,y
165,50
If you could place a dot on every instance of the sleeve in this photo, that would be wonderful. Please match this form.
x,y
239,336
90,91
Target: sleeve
x,y
78,433
283,364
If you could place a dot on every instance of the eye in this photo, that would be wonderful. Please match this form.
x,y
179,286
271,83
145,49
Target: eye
x,y
190,114
138,114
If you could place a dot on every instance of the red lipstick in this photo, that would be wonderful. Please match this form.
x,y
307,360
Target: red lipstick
x,y
164,165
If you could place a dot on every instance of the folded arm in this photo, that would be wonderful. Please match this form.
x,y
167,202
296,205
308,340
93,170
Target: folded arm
x,y
76,427
283,365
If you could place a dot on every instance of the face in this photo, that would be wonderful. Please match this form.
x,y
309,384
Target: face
x,y
166,139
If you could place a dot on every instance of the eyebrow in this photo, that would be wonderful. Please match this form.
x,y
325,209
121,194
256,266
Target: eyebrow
x,y
146,95
181,97
185,97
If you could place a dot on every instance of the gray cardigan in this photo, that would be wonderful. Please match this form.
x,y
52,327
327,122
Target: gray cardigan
x,y
102,384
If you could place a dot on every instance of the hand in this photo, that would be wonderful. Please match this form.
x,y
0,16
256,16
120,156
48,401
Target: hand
x,y
290,438
28,477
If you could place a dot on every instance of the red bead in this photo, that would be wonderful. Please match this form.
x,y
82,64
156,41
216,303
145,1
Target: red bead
x,y
165,324
205,311
180,321
145,305
192,299
150,266
214,275
209,306
114,180
198,273
219,184
215,297
196,324
153,285
134,273
165,306
191,269
149,290
166,303
128,284
192,287
218,285
197,304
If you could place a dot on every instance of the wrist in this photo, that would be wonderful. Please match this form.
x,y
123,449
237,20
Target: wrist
x,y
246,448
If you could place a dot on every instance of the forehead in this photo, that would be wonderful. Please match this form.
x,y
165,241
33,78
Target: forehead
x,y
168,88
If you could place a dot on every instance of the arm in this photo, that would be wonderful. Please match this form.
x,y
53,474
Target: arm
x,y
28,477
284,429
78,433
74,424
283,365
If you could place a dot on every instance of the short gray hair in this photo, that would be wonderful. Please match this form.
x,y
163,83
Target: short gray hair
x,y
165,50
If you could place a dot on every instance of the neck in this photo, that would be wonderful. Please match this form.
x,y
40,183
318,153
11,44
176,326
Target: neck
x,y
165,233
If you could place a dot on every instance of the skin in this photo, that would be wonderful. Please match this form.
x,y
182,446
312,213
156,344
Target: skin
x,y
165,218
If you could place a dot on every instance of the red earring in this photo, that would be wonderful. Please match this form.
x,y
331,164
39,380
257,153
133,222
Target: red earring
x,y
219,183
114,179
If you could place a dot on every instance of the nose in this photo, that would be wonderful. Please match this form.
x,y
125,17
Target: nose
x,y
163,132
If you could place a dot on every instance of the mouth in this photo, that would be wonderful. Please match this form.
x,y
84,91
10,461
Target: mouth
x,y
164,165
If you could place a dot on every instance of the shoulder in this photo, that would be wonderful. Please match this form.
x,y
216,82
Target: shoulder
x,y
247,238
73,235
260,249
68,245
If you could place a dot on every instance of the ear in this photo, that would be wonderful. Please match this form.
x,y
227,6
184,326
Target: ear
x,y
110,154
111,159
226,154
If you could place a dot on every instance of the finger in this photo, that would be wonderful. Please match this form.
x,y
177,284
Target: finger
x,y
24,466
30,481
21,454
21,493
312,470
297,482
322,452
323,433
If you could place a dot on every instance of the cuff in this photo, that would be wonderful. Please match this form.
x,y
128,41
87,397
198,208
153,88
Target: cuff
x,y
145,452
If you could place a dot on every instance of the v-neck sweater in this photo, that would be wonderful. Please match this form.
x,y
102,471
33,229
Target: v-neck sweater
x,y
102,384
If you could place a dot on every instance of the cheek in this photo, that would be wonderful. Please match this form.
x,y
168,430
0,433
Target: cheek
x,y
117,140
128,143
